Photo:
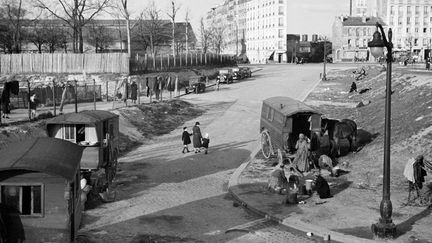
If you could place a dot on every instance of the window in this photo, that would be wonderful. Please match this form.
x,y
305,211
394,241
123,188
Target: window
x,y
26,199
424,30
270,114
69,133
392,9
408,20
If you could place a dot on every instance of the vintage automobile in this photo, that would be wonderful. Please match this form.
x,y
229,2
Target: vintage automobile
x,y
97,132
197,85
282,120
224,76
237,75
41,190
246,71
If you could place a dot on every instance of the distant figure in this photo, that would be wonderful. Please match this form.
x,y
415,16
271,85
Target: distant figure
x,y
34,102
186,140
8,88
415,173
205,142
196,132
353,87
134,92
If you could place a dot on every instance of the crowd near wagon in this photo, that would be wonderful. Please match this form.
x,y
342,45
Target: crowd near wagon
x,y
283,119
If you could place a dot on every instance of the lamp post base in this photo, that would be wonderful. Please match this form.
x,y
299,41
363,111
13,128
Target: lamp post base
x,y
384,229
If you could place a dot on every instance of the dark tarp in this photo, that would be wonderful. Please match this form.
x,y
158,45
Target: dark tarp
x,y
47,155
288,106
83,117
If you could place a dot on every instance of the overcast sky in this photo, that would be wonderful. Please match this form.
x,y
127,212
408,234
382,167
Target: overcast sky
x,y
305,17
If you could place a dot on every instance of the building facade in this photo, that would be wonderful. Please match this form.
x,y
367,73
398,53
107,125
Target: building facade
x,y
261,24
410,20
350,37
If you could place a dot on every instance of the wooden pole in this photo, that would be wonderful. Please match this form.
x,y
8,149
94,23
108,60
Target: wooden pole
x,y
161,57
106,86
139,92
76,96
54,98
28,99
168,65
94,94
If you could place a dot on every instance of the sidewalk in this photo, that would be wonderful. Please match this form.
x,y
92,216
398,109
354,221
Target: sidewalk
x,y
344,222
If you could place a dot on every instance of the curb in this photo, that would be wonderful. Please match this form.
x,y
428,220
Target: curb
x,y
293,224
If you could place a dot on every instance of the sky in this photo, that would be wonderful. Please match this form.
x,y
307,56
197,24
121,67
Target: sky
x,y
305,17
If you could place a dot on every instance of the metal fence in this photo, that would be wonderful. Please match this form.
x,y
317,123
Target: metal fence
x,y
46,95
64,63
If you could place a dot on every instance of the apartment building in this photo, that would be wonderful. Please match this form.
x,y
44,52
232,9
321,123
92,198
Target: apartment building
x,y
261,23
410,20
350,37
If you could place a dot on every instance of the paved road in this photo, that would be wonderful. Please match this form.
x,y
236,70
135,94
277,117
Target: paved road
x,y
166,195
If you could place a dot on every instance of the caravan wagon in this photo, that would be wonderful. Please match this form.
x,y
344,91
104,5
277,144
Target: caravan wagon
x,y
282,120
40,191
97,132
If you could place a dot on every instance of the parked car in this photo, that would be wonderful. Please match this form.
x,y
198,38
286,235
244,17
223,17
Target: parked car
x,y
237,75
197,84
225,76
246,71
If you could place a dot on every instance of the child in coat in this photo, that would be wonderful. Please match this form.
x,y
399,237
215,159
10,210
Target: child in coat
x,y
205,142
186,140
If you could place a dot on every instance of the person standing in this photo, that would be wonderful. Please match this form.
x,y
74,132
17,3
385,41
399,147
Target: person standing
x,y
134,92
301,159
186,140
196,132
33,102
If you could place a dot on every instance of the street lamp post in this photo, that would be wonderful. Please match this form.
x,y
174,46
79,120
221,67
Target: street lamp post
x,y
385,226
324,77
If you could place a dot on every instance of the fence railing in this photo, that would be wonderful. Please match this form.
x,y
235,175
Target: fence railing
x,y
104,62
64,63
165,62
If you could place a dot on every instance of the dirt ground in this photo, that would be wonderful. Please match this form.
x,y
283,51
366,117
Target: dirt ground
x,y
411,133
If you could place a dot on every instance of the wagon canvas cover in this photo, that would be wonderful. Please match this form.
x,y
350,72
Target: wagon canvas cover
x,y
288,106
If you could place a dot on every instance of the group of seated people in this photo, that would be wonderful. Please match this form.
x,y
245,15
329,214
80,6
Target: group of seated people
x,y
295,183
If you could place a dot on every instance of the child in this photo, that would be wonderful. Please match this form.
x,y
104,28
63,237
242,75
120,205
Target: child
x,y
34,102
205,142
186,139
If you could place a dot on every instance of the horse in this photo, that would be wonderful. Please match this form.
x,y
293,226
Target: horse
x,y
345,129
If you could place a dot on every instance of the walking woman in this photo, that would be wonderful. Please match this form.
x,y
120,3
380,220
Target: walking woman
x,y
196,139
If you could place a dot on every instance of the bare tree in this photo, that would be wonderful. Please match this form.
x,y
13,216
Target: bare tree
x,y
47,35
217,37
187,18
205,36
76,14
125,13
13,12
100,37
174,8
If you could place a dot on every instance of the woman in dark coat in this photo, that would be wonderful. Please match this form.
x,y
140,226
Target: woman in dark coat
x,y
134,92
196,132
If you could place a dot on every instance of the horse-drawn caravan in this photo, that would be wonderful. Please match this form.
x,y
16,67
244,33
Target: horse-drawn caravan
x,y
97,132
283,119
40,191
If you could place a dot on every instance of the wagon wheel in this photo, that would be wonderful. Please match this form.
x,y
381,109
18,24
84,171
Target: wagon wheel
x,y
266,146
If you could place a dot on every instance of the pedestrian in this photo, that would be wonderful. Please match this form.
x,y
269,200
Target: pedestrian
x,y
277,181
134,92
205,142
33,102
301,159
196,139
186,140
353,87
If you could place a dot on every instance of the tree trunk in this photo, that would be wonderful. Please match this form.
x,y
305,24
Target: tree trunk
x,y
81,40
63,98
128,37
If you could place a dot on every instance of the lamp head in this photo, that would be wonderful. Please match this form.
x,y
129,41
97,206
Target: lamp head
x,y
377,45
